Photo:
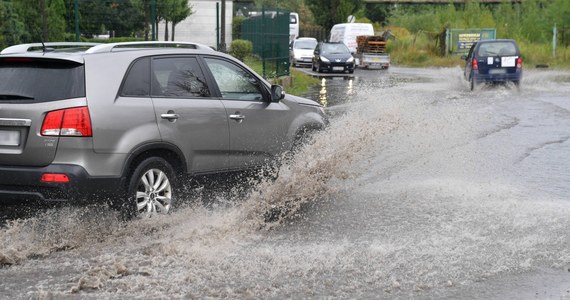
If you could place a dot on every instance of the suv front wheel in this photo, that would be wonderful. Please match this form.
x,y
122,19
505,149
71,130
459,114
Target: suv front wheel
x,y
150,188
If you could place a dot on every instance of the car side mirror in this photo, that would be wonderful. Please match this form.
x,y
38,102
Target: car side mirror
x,y
277,93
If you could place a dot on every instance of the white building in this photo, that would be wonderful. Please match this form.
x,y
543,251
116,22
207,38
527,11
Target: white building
x,y
200,27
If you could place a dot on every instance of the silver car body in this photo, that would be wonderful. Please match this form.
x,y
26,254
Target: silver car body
x,y
216,131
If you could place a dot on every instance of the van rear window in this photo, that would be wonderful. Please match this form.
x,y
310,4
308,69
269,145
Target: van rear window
x,y
497,49
40,80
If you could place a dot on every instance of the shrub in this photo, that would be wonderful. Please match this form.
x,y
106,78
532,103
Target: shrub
x,y
241,49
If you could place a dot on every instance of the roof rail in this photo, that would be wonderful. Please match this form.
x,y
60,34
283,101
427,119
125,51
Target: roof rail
x,y
23,48
101,48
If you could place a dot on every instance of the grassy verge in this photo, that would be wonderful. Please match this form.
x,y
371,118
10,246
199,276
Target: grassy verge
x,y
300,82
419,51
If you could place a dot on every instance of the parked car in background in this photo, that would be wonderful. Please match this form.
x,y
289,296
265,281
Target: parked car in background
x,y
493,61
332,57
301,51
123,122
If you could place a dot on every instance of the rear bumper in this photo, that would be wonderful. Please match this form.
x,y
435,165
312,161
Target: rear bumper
x,y
497,77
18,184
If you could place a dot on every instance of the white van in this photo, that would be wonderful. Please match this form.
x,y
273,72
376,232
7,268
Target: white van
x,y
293,26
347,33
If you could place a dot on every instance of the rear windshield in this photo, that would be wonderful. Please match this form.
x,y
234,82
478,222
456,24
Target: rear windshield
x,y
40,80
497,49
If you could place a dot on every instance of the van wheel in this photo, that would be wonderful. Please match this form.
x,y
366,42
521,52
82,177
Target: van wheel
x,y
150,189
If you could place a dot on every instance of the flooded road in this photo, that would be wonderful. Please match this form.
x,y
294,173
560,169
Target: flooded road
x,y
419,189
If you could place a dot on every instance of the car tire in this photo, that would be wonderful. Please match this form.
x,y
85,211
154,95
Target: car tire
x,y
351,71
150,189
472,84
313,67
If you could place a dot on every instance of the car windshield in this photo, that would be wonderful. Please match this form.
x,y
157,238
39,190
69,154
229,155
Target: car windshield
x,y
497,49
334,49
309,44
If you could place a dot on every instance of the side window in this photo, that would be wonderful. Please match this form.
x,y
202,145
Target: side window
x,y
178,77
233,81
137,82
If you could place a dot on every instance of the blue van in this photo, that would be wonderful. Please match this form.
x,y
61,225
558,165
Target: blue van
x,y
493,61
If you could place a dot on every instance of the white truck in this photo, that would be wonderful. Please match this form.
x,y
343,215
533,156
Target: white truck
x,y
368,53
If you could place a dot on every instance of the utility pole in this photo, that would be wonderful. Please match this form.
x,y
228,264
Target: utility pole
x,y
153,19
223,29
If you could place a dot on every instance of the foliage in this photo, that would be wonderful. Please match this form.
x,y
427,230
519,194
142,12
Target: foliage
x,y
240,49
173,12
529,20
330,12
236,26
119,18
42,20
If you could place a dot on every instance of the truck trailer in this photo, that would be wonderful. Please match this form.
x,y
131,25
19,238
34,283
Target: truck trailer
x,y
371,52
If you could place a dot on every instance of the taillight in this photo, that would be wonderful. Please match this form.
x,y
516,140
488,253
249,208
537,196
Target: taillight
x,y
474,65
519,63
55,178
67,122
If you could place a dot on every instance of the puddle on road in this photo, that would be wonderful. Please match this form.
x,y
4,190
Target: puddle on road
x,y
399,198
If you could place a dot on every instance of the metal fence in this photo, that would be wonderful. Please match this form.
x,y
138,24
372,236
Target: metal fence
x,y
459,41
268,31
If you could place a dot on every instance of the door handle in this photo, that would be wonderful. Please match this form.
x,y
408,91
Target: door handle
x,y
170,117
237,117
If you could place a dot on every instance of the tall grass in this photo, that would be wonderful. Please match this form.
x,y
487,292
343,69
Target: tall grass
x,y
420,51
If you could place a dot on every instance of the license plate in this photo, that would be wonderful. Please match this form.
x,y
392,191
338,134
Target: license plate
x,y
497,71
9,138
338,68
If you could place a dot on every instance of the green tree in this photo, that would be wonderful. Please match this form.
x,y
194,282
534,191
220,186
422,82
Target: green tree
x,y
43,20
143,6
3,18
56,20
11,28
176,12
330,12
120,18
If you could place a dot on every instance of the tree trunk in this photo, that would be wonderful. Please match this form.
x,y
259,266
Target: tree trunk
x,y
165,30
173,26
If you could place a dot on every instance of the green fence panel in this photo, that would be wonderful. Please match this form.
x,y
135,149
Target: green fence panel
x,y
459,41
269,34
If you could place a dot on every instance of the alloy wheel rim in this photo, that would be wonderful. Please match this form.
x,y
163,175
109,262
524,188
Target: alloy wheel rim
x,y
154,193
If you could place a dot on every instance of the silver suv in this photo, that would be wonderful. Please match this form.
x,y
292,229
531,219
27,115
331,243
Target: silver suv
x,y
122,122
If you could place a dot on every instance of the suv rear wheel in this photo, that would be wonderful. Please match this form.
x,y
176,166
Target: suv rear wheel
x,y
150,189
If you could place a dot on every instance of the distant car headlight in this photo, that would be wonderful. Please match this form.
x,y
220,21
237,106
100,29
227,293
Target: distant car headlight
x,y
351,59
324,59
